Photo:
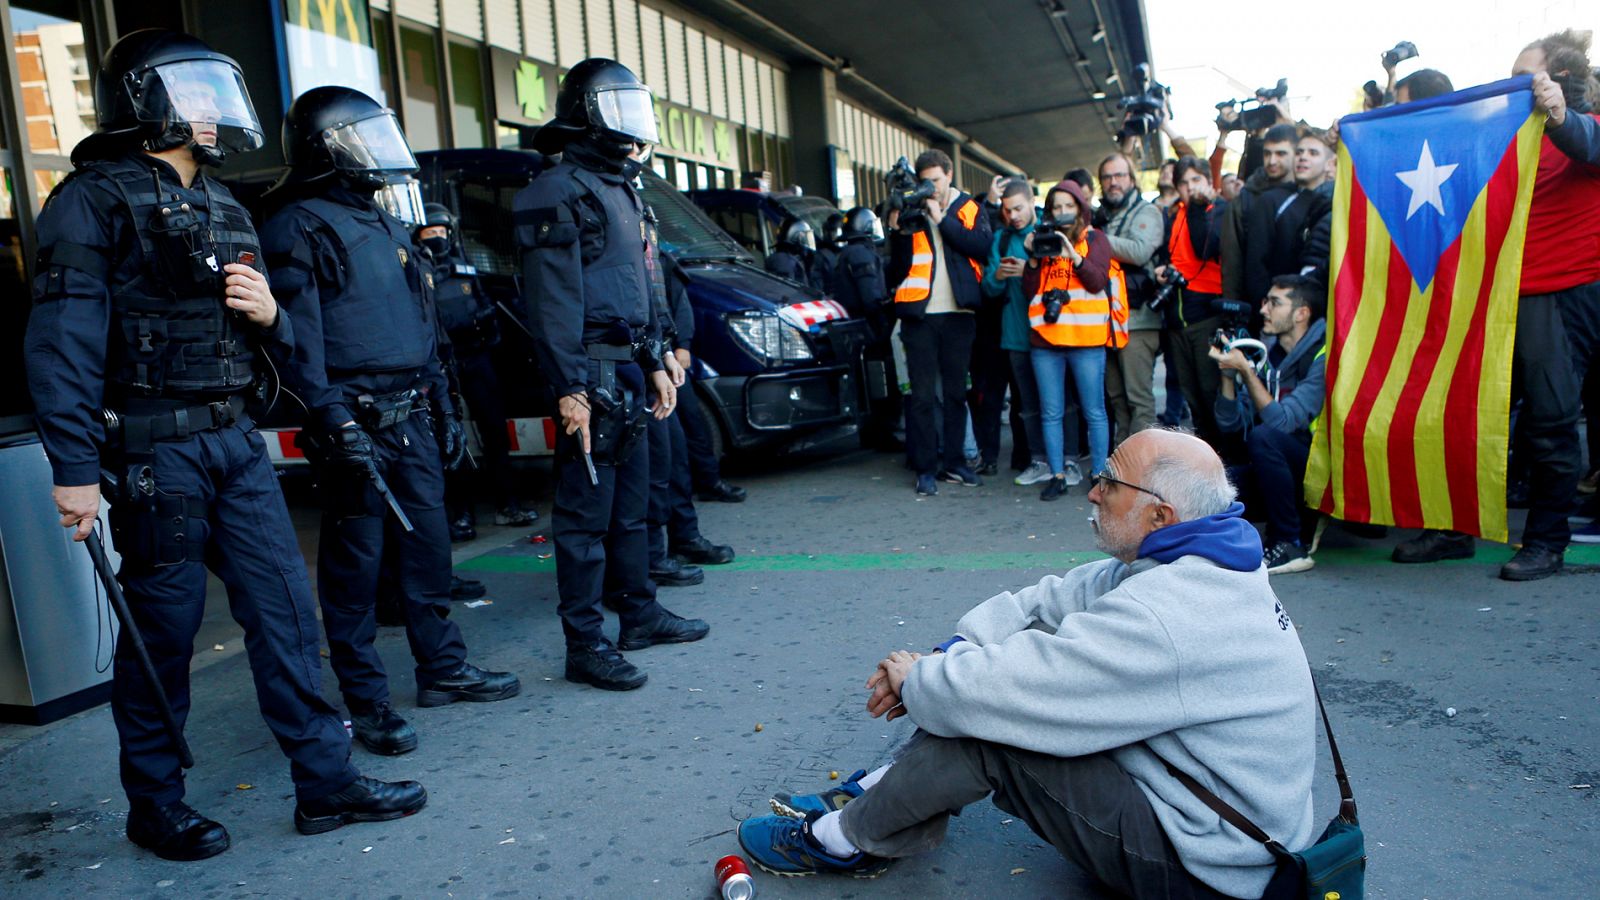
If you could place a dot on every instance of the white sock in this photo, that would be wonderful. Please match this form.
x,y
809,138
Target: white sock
x,y
871,778
830,835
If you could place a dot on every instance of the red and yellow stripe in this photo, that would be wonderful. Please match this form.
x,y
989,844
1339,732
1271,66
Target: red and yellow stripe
x,y
1416,426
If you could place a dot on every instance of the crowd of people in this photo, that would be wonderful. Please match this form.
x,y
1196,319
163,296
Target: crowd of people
x,y
1065,330
1182,665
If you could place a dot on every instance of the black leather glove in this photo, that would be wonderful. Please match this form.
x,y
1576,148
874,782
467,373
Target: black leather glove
x,y
452,442
351,446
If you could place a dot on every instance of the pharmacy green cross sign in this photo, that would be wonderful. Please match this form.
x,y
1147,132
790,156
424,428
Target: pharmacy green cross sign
x,y
530,90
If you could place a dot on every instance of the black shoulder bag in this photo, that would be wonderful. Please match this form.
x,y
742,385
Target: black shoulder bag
x,y
1335,867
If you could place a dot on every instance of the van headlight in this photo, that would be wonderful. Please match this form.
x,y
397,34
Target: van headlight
x,y
768,337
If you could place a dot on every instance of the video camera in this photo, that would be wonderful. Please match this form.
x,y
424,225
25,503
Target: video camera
x,y
1048,237
1235,333
1175,281
1402,51
1254,114
1145,107
907,193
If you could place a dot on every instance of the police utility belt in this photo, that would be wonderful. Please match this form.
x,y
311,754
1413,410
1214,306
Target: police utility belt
x,y
617,416
146,422
376,412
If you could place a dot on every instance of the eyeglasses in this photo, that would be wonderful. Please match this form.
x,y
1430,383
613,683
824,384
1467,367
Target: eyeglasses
x,y
1105,478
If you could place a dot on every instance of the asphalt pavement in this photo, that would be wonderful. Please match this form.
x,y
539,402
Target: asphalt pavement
x,y
1467,708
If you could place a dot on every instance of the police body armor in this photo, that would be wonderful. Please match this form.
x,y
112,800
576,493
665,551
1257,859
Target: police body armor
x,y
368,325
465,312
179,339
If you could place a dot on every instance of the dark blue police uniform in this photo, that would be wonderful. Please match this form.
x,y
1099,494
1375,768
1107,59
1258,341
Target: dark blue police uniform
x,y
130,317
581,230
367,352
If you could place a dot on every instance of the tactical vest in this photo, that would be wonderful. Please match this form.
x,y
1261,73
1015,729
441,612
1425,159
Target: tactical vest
x,y
1205,275
616,279
918,283
179,338
1089,318
464,309
376,314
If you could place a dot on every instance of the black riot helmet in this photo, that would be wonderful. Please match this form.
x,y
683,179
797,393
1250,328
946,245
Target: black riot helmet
x,y
862,223
435,214
160,90
333,130
602,101
796,234
833,230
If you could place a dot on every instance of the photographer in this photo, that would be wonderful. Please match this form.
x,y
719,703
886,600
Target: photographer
x,y
1072,315
1195,273
933,256
1134,229
1558,313
1248,228
1002,280
1276,408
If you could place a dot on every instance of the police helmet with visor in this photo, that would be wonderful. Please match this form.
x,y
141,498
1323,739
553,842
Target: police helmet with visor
x,y
333,130
795,232
833,230
436,215
861,223
167,89
602,100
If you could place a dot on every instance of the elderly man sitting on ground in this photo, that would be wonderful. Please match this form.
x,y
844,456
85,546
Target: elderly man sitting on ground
x,y
1068,700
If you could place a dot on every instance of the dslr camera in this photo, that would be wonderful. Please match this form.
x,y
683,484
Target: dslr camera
x,y
1253,114
1402,51
1048,237
1054,300
907,193
1175,281
1144,107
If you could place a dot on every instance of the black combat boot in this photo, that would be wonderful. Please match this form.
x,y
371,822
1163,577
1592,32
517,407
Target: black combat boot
x,y
470,683
1433,545
667,628
1531,563
702,552
382,731
365,800
602,666
175,831
668,572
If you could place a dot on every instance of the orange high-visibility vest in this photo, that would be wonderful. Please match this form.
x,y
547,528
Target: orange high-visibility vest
x,y
1205,275
918,283
1089,319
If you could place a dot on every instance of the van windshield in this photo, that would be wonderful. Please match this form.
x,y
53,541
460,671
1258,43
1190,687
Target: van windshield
x,y
686,232
813,210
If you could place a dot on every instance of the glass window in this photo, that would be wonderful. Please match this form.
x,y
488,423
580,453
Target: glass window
x,y
54,69
329,44
381,45
421,106
469,106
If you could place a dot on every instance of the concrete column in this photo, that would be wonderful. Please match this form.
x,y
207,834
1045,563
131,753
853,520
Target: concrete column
x,y
813,125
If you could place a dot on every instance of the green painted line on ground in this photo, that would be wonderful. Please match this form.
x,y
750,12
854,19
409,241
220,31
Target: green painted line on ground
x,y
1331,557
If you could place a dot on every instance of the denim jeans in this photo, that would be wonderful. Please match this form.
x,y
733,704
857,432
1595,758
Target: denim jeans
x,y
1089,374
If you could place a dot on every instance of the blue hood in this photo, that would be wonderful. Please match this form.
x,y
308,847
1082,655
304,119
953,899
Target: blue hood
x,y
1226,539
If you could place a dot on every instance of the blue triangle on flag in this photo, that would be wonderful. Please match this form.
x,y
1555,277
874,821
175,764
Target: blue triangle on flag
x,y
1424,164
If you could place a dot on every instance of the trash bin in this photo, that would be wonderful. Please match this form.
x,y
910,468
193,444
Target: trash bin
x,y
57,630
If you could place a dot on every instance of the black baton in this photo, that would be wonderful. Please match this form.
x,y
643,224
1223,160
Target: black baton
x,y
382,487
130,630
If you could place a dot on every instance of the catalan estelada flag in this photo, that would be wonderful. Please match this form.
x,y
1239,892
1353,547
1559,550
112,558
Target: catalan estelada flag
x,y
1430,205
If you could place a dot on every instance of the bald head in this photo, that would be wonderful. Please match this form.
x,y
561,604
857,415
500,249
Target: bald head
x,y
1161,478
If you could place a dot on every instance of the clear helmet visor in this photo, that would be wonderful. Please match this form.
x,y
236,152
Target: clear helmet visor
x,y
804,236
373,144
207,94
627,110
402,198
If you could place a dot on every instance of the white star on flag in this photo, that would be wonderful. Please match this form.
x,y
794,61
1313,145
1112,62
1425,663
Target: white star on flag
x,y
1424,182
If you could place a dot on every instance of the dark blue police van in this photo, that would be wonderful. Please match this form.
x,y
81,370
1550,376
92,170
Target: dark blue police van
x,y
754,217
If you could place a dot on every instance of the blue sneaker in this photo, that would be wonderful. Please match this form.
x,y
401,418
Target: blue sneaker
x,y
962,475
784,846
926,485
798,806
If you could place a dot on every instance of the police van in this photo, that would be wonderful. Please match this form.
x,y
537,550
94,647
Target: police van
x,y
777,365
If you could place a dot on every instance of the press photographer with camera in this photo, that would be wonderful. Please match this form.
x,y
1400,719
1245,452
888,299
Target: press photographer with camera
x,y
1074,289
1002,280
939,234
1134,229
1189,283
1274,407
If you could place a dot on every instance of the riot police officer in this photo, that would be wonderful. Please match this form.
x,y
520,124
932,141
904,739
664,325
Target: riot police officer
x,y
858,282
366,368
471,323
151,303
581,230
829,245
792,258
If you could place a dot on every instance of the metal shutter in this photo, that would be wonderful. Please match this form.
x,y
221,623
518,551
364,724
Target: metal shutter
x,y
424,11
538,30
626,15
655,65
696,40
502,24
464,17
569,32
677,66
597,27
719,81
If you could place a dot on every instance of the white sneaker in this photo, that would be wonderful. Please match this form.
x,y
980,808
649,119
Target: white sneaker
x,y
1037,471
1074,476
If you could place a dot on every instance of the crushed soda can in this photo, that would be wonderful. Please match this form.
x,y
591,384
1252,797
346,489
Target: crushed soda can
x,y
733,879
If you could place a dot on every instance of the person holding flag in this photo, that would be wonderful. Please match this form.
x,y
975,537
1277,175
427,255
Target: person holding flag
x,y
1466,275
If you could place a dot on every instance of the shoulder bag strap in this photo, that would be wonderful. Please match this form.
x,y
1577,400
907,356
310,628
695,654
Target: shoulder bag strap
x,y
1347,803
